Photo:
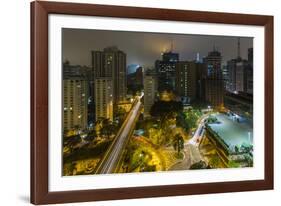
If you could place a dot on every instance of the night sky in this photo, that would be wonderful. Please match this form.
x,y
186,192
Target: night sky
x,y
144,48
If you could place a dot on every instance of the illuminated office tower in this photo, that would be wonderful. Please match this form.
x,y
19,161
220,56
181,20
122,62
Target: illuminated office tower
x,y
186,80
166,69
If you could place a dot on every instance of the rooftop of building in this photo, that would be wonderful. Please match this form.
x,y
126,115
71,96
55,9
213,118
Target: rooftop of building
x,y
232,133
75,71
242,96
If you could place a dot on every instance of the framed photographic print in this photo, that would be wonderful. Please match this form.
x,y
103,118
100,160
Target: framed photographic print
x,y
131,102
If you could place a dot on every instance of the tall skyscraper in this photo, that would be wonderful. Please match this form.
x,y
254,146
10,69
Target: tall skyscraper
x,y
166,68
250,71
240,72
150,90
75,97
186,80
104,98
201,75
225,76
241,75
231,68
214,88
244,74
111,64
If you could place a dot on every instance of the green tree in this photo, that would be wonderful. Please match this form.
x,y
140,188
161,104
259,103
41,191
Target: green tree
x,y
162,108
77,127
120,115
147,125
156,136
214,161
191,118
180,121
69,168
98,127
199,165
233,164
249,160
108,128
236,149
91,135
178,143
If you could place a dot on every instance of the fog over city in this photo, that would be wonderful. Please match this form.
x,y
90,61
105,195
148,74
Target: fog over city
x,y
144,48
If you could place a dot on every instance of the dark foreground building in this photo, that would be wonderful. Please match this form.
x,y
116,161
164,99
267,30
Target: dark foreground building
x,y
166,70
214,83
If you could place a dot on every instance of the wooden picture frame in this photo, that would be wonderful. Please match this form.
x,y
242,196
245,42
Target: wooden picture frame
x,y
39,102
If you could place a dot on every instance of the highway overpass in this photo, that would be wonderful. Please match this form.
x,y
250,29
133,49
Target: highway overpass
x,y
111,160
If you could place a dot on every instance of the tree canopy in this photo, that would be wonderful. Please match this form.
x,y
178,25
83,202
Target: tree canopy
x,y
162,108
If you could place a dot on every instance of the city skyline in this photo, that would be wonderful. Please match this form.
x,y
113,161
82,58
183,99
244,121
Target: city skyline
x,y
143,48
177,111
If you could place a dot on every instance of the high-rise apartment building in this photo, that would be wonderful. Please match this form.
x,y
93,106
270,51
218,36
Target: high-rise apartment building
x,y
104,98
231,68
214,88
111,62
150,90
75,96
109,65
186,80
240,72
241,75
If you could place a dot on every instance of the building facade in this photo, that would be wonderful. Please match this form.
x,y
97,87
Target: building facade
x,y
75,96
186,80
104,98
214,83
240,103
135,80
75,103
240,72
250,72
166,69
150,91
241,76
231,68
110,64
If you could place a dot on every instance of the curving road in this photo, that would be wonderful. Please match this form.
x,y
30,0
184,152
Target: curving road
x,y
199,132
191,150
